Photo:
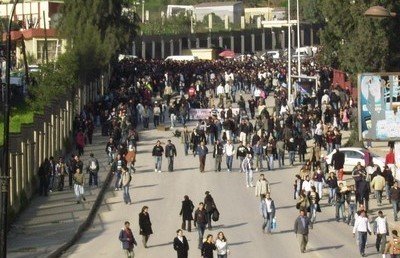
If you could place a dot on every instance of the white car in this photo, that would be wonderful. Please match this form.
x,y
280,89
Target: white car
x,y
355,155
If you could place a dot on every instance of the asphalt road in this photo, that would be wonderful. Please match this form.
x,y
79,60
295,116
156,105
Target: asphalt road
x,y
240,219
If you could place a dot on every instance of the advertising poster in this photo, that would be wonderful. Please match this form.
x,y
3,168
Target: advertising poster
x,y
379,106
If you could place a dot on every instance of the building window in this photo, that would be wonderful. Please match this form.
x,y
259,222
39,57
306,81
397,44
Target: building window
x,y
53,50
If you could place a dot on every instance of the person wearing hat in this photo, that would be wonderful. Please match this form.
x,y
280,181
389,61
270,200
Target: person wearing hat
x,y
170,153
209,205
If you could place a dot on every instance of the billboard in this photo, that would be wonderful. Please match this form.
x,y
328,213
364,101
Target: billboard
x,y
379,106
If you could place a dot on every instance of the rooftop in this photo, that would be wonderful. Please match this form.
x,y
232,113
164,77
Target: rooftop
x,y
211,4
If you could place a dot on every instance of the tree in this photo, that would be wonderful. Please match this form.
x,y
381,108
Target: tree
x,y
356,43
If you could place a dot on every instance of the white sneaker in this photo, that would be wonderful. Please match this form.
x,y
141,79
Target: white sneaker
x,y
247,186
251,185
256,169
155,170
159,171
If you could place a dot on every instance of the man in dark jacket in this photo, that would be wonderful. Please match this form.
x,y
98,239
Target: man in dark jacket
x,y
338,163
217,155
241,154
301,225
186,213
128,240
200,221
170,153
181,245
209,206
157,153
363,191
202,151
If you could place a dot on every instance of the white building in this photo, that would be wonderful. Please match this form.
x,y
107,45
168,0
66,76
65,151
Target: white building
x,y
176,9
233,10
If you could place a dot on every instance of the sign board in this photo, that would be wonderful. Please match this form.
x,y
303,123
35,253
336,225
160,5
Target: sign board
x,y
205,113
379,106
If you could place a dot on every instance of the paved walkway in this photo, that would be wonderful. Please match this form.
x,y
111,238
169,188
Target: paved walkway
x,y
49,222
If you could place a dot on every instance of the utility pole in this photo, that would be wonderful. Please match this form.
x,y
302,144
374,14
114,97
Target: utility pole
x,y
5,177
143,18
289,79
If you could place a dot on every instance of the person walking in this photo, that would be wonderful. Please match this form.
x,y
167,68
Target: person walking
x,y
145,225
222,245
229,151
381,230
301,230
314,198
291,147
170,153
351,197
338,163
362,227
202,151
267,209
44,176
157,153
280,149
79,180
127,240
394,196
116,167
393,246
111,149
200,222
246,167
262,186
126,181
185,139
207,250
217,154
258,155
181,245
186,213
210,206
241,154
378,185
93,169
61,171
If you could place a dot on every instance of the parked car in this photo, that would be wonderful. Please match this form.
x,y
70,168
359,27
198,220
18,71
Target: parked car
x,y
272,54
355,155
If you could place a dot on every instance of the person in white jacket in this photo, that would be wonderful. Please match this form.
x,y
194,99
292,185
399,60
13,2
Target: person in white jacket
x,y
222,246
262,186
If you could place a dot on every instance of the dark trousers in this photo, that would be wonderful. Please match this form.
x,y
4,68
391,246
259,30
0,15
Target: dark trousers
x,y
380,242
202,163
171,163
209,214
43,186
93,178
189,225
156,120
200,229
61,183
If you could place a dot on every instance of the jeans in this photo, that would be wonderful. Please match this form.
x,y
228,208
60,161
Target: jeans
x,y
270,161
387,190
127,197
267,223
222,256
378,195
332,195
51,182
156,120
170,164
240,164
158,161
145,122
93,178
117,180
111,156
211,138
200,229
186,148
79,192
395,205
259,164
313,213
362,241
173,119
291,157
249,177
351,214
281,158
229,161
318,186
339,210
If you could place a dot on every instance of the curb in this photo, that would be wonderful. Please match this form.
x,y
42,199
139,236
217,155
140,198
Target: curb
x,y
88,222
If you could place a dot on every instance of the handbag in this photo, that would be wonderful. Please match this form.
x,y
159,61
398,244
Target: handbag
x,y
215,215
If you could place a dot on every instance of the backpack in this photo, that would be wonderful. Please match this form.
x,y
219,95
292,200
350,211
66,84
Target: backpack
x,y
93,165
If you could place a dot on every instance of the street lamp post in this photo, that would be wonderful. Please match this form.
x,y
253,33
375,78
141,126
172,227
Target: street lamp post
x,y
289,81
143,18
298,39
4,178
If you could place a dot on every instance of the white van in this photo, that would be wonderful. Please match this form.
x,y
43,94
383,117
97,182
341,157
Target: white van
x,y
182,58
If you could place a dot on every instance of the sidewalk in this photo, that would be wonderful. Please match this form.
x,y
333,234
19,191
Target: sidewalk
x,y
49,222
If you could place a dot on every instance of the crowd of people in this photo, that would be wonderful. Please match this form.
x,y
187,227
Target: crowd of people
x,y
262,137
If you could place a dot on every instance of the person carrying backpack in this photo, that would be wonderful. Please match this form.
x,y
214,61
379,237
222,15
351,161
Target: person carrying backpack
x,y
93,169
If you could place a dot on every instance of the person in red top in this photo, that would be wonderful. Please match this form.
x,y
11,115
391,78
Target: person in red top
x,y
390,161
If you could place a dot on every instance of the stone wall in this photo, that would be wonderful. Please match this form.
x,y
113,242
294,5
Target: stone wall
x,y
48,135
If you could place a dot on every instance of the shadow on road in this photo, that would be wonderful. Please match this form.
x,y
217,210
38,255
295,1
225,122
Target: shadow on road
x,y
149,200
144,186
325,248
165,244
235,225
239,243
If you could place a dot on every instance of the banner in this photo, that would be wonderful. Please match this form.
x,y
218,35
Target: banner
x,y
379,106
205,113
